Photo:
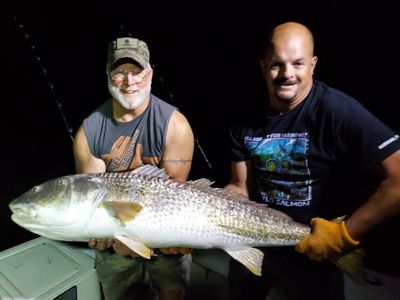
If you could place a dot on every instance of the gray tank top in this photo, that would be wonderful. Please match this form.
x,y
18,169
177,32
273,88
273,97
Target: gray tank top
x,y
127,145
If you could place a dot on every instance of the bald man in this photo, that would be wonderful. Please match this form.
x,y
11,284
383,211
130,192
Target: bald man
x,y
306,157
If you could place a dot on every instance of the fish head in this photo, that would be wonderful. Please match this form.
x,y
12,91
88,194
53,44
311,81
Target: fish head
x,y
54,208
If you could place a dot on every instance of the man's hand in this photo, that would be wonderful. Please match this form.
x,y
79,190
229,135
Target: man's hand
x,y
176,250
100,244
326,240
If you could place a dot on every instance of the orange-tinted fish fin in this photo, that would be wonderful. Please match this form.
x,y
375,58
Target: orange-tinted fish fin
x,y
135,246
124,211
250,257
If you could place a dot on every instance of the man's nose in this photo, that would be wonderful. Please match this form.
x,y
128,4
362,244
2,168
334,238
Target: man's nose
x,y
287,71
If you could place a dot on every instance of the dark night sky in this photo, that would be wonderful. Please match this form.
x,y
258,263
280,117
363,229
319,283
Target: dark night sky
x,y
206,55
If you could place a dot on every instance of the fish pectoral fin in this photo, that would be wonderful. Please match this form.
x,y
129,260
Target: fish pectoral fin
x,y
124,211
135,246
250,257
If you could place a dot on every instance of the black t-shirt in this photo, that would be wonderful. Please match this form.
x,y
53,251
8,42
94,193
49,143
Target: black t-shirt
x,y
315,160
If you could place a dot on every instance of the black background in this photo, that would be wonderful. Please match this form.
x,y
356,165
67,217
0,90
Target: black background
x,y
207,55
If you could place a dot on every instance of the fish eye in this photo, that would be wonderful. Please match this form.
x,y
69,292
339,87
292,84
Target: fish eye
x,y
60,182
35,189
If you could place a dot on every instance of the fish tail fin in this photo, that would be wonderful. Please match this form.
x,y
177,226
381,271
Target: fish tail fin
x,y
351,264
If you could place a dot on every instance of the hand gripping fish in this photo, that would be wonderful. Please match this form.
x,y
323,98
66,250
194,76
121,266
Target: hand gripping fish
x,y
145,209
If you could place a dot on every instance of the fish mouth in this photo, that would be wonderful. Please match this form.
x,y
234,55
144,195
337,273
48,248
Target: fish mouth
x,y
52,232
23,220
21,216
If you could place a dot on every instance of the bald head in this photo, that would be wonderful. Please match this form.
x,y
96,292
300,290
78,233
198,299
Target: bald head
x,y
291,31
288,65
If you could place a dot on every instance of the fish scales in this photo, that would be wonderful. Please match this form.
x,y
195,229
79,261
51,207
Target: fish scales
x,y
233,219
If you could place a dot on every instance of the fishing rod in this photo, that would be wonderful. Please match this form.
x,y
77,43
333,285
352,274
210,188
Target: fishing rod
x,y
44,72
123,31
172,98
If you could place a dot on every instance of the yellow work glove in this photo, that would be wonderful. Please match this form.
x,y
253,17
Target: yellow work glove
x,y
326,240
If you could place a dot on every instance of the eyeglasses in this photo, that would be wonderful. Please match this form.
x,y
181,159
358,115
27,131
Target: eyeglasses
x,y
119,75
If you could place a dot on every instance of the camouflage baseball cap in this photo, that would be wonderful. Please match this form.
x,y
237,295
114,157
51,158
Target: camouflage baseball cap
x,y
127,48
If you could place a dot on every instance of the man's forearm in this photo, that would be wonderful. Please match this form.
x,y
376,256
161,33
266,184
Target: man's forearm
x,y
382,204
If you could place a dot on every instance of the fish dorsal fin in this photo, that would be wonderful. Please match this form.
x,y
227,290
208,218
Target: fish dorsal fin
x,y
145,171
150,171
135,246
201,183
250,257
205,184
238,197
124,211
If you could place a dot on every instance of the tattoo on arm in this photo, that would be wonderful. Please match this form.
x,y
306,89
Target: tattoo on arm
x,y
177,161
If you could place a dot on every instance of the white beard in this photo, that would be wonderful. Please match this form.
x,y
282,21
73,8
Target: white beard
x,y
129,102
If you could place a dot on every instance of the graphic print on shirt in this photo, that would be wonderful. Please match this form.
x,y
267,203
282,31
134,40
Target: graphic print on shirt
x,y
127,154
281,156
122,154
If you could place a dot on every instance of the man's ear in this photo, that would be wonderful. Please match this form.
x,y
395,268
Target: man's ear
x,y
314,61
